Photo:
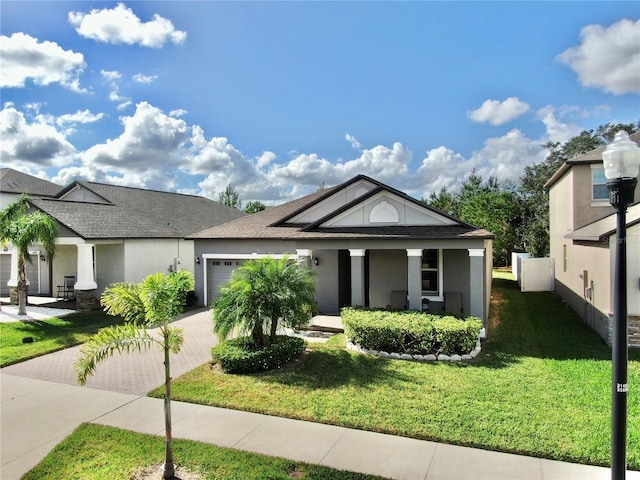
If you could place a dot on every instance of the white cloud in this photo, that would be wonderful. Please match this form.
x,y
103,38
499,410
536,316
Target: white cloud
x,y
355,144
31,145
110,74
150,143
506,157
81,116
607,58
180,112
558,131
23,58
265,159
146,79
497,113
502,157
120,25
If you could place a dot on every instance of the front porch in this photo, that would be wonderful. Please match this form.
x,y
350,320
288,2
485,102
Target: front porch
x,y
426,279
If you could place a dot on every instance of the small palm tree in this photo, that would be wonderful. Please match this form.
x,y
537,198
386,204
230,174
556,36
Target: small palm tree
x,y
262,293
153,302
23,230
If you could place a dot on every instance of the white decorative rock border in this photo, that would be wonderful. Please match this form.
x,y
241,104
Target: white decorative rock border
x,y
416,358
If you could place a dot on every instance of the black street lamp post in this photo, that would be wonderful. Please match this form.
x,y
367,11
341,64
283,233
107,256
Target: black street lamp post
x,y
621,163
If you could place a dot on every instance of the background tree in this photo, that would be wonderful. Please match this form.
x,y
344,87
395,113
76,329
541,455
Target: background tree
x,y
230,197
445,201
153,302
518,214
254,206
24,229
262,293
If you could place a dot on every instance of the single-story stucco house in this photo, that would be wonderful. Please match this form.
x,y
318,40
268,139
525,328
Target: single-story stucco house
x,y
109,233
369,244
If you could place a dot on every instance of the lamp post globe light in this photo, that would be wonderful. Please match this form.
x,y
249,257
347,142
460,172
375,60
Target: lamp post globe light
x,y
621,164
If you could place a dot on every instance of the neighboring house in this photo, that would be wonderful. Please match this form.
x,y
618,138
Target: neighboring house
x,y
12,185
582,241
369,244
120,234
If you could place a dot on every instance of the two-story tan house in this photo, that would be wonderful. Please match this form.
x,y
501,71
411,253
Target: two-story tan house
x,y
583,239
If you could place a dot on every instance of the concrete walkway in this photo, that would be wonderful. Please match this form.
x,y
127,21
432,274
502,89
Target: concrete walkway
x,y
41,405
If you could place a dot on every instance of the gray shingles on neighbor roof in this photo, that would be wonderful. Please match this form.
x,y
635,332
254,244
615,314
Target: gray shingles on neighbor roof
x,y
136,213
13,181
605,227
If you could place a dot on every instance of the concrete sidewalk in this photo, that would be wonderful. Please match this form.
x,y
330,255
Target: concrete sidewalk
x,y
36,414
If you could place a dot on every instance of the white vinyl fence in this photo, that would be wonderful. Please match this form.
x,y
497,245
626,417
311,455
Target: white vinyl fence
x,y
537,274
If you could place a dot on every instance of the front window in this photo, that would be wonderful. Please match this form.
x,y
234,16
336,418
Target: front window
x,y
430,271
599,189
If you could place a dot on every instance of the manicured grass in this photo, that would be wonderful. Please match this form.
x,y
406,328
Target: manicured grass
x,y
96,452
49,335
541,387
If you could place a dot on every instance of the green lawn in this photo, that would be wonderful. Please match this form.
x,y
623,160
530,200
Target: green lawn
x,y
49,335
541,387
96,452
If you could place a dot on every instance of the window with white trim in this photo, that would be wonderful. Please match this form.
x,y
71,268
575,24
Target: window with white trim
x,y
430,271
599,189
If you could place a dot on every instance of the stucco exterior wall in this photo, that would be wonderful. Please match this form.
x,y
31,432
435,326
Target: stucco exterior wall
x,y
143,257
387,272
457,275
65,262
109,265
633,268
326,280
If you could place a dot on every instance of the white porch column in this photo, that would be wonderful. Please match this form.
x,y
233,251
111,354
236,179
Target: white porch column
x,y
86,279
476,283
414,272
304,256
13,279
357,277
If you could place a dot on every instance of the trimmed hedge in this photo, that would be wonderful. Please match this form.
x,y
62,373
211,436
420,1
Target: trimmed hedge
x,y
239,355
410,332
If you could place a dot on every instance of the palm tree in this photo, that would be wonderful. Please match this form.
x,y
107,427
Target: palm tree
x,y
262,293
153,302
23,230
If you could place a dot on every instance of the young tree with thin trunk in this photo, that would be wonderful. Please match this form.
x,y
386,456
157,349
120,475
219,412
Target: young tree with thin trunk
x,y
23,229
152,303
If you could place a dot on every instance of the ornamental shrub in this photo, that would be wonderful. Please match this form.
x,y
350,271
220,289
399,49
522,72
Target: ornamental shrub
x,y
457,336
410,332
240,355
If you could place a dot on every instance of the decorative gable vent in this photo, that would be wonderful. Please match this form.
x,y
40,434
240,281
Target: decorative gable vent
x,y
383,213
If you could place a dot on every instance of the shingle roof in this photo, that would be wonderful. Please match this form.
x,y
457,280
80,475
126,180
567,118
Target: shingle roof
x,y
272,224
12,181
136,213
605,227
593,156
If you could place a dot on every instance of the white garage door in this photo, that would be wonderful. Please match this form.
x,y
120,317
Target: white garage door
x,y
219,273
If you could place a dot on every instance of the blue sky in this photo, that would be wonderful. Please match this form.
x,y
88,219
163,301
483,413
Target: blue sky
x,y
276,98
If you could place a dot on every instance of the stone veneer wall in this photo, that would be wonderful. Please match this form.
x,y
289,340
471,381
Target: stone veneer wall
x,y
633,324
86,300
633,328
